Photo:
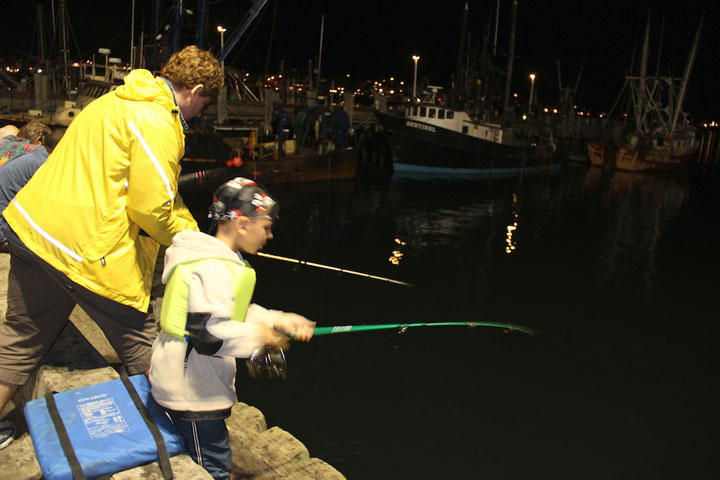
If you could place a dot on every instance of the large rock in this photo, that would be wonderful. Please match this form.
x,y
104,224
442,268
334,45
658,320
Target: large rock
x,y
82,356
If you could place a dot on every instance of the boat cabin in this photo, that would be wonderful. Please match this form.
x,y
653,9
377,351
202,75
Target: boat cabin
x,y
457,121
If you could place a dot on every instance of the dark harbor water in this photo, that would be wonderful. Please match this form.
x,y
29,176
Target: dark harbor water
x,y
619,271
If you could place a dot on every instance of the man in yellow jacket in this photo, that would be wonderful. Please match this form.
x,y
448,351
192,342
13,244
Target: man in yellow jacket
x,y
87,227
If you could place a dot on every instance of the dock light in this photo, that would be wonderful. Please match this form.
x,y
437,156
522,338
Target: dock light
x,y
532,88
222,31
415,59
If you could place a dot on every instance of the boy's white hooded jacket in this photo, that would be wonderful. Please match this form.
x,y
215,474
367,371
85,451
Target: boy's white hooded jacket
x,y
206,383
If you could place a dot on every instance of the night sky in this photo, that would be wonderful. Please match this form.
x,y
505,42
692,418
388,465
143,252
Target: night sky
x,y
375,39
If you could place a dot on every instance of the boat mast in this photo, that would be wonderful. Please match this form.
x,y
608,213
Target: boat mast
x,y
132,34
640,104
322,29
662,34
686,75
511,58
64,48
497,26
459,70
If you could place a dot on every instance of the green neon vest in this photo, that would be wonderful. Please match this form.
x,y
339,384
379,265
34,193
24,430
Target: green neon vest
x,y
173,316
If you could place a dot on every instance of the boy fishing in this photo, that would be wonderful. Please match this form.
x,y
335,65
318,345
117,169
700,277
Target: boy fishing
x,y
207,320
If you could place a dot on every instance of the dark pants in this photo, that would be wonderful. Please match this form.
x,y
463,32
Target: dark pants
x,y
40,300
208,443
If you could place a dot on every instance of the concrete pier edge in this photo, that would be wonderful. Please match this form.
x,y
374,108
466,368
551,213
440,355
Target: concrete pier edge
x,y
82,356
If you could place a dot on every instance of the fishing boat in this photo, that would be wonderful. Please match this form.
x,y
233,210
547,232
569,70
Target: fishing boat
x,y
432,140
654,134
469,134
214,158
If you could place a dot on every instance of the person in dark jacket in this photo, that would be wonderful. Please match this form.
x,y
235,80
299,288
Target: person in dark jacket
x,y
20,156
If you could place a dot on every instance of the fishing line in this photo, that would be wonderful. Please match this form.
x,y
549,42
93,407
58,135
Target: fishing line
x,y
345,352
220,174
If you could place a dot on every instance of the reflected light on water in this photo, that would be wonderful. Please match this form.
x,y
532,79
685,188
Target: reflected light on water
x,y
510,244
397,255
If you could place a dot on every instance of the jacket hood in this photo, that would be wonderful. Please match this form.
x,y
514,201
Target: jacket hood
x,y
141,85
190,245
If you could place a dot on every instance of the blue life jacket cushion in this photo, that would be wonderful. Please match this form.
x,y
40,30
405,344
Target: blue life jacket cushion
x,y
105,428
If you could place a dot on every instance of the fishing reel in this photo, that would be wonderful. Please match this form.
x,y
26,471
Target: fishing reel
x,y
267,362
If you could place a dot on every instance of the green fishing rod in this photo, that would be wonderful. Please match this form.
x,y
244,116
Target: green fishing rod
x,y
269,361
332,330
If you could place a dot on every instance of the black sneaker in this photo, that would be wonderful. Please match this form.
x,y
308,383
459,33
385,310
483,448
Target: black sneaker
x,y
7,433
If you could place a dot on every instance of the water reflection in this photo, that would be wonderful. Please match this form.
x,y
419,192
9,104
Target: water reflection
x,y
627,349
709,151
638,207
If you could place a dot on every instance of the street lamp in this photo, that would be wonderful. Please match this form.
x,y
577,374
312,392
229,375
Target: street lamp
x,y
415,58
222,45
532,87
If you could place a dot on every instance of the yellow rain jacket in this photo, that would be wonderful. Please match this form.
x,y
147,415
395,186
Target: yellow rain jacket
x,y
113,174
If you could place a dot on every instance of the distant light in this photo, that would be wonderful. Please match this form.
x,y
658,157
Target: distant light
x,y
221,29
532,76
